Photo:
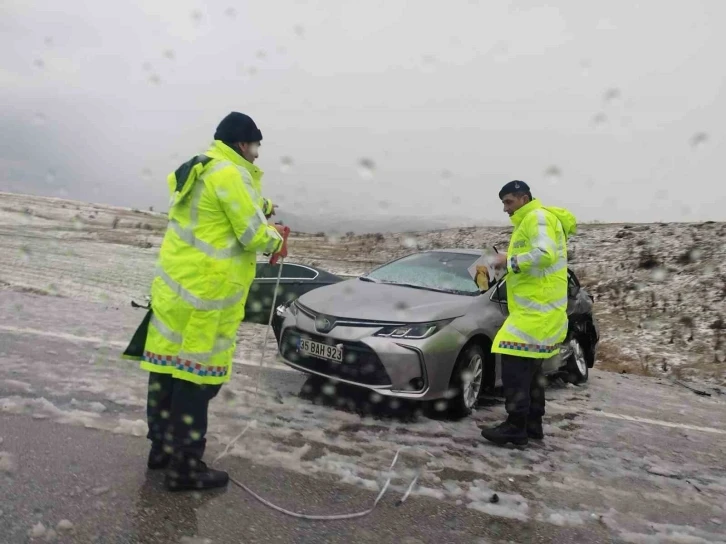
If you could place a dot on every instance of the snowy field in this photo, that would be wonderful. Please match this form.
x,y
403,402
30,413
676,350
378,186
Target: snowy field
x,y
634,458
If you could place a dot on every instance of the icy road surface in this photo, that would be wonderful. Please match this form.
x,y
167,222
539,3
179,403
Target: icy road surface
x,y
626,459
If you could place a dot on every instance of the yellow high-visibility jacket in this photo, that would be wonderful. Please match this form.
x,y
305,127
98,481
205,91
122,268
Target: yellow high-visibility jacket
x,y
536,282
206,265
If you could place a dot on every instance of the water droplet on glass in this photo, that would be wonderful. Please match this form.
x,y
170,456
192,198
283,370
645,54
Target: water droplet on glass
x,y
146,66
39,119
659,274
445,177
25,253
585,66
39,63
252,70
441,405
169,54
48,41
383,205
197,16
64,525
230,12
286,164
329,389
154,79
261,54
698,140
695,255
299,31
612,95
146,174
77,223
409,242
599,120
37,530
8,465
366,168
50,177
553,174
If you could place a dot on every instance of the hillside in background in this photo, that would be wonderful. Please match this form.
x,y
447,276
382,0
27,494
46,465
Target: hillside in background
x,y
660,289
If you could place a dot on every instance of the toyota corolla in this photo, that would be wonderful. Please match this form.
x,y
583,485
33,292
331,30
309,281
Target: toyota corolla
x,y
419,328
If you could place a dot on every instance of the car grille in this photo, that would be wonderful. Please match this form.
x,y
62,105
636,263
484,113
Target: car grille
x,y
360,363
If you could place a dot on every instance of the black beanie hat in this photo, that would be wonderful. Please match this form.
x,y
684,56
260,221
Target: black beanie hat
x,y
515,186
237,127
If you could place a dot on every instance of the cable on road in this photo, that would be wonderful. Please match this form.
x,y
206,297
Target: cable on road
x,y
253,421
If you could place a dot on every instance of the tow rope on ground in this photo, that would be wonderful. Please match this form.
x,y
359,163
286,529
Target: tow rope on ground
x,y
329,517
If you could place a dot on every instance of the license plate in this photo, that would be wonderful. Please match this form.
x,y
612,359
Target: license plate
x,y
322,351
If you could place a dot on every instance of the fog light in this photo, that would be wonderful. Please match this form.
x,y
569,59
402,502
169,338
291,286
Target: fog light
x,y
416,383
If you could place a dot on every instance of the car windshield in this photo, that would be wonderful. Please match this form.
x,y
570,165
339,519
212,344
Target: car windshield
x,y
434,270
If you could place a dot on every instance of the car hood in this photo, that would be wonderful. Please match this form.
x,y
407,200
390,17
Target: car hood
x,y
357,299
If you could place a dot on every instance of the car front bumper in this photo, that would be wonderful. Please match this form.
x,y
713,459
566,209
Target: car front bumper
x,y
392,367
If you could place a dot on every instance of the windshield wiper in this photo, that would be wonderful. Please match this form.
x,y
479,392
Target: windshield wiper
x,y
438,290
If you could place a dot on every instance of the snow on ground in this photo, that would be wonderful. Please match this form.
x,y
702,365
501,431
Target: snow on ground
x,y
591,470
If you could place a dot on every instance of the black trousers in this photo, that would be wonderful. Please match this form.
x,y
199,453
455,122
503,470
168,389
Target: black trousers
x,y
524,389
176,411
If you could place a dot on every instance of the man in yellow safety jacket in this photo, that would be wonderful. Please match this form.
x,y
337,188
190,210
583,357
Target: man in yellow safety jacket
x,y
207,262
536,263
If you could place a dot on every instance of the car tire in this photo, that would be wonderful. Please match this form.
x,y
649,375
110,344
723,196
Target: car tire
x,y
471,360
576,364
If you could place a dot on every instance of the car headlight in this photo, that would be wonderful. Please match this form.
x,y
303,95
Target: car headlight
x,y
416,331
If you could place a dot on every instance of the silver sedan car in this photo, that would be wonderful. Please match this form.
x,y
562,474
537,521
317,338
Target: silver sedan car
x,y
419,328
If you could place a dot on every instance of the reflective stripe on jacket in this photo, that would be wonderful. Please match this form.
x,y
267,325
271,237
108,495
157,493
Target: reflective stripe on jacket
x,y
206,265
536,282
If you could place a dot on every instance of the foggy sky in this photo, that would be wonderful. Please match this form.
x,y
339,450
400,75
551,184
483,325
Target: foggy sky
x,y
614,110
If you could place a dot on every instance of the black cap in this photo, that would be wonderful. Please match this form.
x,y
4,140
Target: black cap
x,y
237,127
514,186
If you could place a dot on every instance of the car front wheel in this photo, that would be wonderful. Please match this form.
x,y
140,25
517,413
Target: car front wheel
x,y
576,362
466,381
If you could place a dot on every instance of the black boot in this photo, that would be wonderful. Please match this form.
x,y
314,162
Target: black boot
x,y
158,458
534,429
506,432
194,475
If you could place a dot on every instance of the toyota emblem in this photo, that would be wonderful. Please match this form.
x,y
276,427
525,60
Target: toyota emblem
x,y
323,324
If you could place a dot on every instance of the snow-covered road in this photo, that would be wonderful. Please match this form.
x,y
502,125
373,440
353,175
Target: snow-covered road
x,y
638,458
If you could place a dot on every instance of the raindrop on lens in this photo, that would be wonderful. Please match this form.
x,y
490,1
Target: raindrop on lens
x,y
169,54
197,16
553,174
154,79
659,274
286,164
699,140
366,168
261,54
612,95
599,120
230,12
409,243
39,119
25,253
299,31
329,389
39,63
50,177
440,405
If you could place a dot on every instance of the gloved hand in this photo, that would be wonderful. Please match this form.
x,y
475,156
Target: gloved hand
x,y
282,252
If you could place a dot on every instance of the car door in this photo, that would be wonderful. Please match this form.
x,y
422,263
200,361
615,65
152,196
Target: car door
x,y
259,299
